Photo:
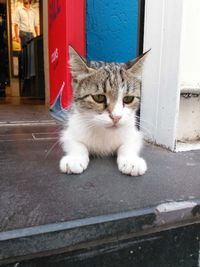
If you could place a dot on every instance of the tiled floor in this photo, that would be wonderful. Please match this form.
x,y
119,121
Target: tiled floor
x,y
29,132
15,110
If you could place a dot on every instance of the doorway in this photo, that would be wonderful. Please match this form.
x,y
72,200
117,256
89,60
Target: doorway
x,y
22,88
4,61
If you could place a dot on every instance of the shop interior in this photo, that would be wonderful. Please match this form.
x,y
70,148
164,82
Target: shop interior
x,y
22,88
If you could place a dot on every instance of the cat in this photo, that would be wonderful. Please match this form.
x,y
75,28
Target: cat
x,y
102,117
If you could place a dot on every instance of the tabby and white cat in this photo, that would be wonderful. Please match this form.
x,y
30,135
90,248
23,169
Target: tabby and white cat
x,y
102,117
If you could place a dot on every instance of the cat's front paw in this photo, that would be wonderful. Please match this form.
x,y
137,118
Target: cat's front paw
x,y
70,164
133,166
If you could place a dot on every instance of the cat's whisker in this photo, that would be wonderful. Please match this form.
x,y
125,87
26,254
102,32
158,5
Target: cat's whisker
x,y
88,123
145,121
101,98
51,148
65,111
142,128
57,131
62,111
148,133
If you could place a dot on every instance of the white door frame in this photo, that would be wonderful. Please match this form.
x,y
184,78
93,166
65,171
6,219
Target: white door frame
x,y
161,76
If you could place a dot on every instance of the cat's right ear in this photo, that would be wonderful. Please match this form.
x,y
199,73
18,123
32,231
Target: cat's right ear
x,y
134,67
79,67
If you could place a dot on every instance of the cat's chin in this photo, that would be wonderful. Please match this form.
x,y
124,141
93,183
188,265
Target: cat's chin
x,y
113,126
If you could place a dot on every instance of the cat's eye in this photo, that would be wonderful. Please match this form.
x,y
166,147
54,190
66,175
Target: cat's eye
x,y
99,98
128,99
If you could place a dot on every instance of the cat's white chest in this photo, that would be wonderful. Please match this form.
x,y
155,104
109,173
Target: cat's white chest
x,y
82,138
97,140
102,141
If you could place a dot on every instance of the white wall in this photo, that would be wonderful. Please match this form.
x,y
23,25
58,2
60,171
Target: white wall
x,y
160,84
172,31
190,45
188,127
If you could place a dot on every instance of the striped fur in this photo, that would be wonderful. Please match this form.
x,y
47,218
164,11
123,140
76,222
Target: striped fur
x,y
103,115
90,78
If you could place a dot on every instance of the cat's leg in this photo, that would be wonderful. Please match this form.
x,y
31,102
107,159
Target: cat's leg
x,y
76,159
128,159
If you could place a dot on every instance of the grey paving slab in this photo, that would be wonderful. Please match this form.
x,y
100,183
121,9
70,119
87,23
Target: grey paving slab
x,y
34,192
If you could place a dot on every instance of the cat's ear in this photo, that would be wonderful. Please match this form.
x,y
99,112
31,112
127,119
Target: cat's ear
x,y
79,67
134,67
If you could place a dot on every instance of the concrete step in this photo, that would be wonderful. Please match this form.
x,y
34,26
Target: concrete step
x,y
188,129
52,219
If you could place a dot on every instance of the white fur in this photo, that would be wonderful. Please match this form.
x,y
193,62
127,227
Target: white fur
x,y
118,109
88,132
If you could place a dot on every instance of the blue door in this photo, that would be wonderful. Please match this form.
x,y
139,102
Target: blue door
x,y
112,30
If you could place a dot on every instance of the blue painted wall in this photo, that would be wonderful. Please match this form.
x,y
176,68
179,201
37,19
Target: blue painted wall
x,y
112,30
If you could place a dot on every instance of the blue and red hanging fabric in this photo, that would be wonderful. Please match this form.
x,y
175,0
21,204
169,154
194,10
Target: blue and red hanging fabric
x,y
106,29
66,26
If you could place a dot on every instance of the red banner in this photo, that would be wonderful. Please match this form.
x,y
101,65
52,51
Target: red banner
x,y
66,26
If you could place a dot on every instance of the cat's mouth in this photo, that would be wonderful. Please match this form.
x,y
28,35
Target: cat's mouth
x,y
113,126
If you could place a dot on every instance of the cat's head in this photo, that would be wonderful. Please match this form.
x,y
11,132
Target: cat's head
x,y
107,94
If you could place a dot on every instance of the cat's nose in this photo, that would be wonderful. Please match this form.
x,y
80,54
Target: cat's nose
x,y
116,119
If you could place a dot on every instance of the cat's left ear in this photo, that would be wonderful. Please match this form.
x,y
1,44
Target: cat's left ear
x,y
134,67
79,67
